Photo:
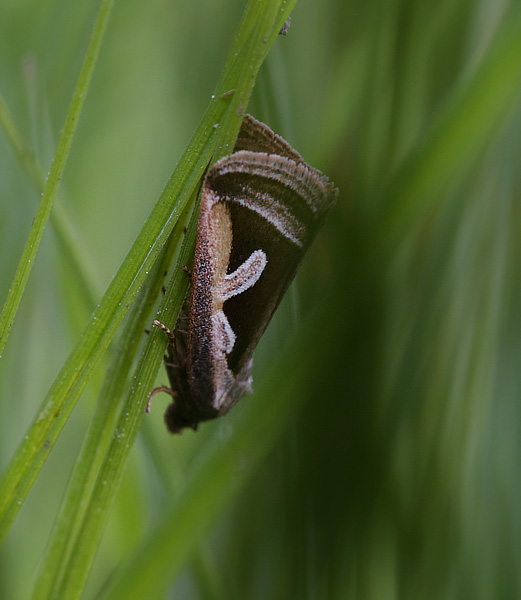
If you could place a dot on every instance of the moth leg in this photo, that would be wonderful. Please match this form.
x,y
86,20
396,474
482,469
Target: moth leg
x,y
187,271
169,333
162,388
172,346
157,390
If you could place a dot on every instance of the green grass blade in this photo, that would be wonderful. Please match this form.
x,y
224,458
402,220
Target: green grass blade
x,y
62,151
61,398
25,156
80,557
458,137
98,437
70,251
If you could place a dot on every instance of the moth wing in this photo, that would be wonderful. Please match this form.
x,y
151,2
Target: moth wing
x,y
275,206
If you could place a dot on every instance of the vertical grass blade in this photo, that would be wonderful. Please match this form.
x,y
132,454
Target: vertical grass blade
x,y
97,440
465,125
58,165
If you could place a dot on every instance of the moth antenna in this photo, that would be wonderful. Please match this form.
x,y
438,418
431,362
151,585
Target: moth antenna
x,y
157,390
169,333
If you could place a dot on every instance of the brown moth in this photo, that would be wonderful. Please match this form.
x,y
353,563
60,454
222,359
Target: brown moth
x,y
261,208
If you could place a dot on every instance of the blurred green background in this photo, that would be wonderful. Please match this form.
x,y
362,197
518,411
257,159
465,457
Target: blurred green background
x,y
399,476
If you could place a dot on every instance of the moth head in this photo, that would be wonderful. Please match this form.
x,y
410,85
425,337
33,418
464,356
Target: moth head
x,y
177,418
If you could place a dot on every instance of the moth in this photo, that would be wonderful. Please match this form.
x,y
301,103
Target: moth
x,y
261,208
